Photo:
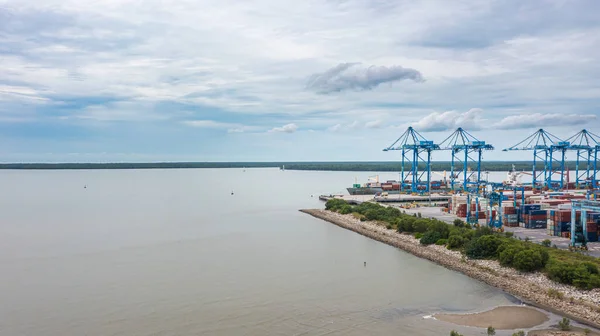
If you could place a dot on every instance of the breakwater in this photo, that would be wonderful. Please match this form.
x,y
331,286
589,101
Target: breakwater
x,y
577,305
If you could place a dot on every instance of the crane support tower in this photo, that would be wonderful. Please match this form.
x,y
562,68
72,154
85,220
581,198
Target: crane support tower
x,y
548,149
415,150
579,231
587,145
495,203
466,149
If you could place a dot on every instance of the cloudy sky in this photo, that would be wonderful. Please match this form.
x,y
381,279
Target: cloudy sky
x,y
274,80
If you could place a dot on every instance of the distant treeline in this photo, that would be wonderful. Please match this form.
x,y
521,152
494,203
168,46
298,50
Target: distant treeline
x,y
437,166
323,166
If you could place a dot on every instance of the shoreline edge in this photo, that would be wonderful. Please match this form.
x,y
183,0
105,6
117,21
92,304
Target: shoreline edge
x,y
528,292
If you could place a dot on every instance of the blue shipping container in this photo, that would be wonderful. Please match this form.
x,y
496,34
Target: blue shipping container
x,y
536,224
593,215
537,212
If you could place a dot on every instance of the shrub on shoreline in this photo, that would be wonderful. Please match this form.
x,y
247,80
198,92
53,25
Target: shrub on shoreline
x,y
482,243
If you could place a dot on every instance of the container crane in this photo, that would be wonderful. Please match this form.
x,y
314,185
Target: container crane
x,y
466,148
415,150
587,145
544,145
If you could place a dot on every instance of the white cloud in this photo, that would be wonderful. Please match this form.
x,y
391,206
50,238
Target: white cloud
x,y
230,127
339,127
335,128
208,124
450,120
289,128
374,124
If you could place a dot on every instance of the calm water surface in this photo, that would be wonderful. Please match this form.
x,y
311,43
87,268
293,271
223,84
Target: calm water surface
x,y
172,252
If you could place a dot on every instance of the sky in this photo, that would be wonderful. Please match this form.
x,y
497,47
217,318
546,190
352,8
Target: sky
x,y
282,80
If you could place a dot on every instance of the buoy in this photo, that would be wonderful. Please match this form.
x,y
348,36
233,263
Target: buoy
x,y
365,264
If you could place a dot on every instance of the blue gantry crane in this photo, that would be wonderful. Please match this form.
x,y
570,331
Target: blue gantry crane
x,y
415,150
586,145
548,149
466,149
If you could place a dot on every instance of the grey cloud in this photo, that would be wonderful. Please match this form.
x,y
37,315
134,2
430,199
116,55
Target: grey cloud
x,y
473,120
351,76
500,21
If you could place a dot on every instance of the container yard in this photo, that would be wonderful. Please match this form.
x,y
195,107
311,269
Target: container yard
x,y
551,202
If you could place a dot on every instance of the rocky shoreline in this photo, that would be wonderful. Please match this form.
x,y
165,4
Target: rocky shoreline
x,y
578,305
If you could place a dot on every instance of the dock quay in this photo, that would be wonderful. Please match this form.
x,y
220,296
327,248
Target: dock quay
x,y
395,198
354,200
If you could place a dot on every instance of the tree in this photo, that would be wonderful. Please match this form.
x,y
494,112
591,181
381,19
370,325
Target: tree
x,y
565,324
459,223
430,237
455,241
483,247
546,242
421,225
519,333
455,333
491,331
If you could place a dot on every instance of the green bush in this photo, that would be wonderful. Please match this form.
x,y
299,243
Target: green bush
x,y
421,225
483,247
456,241
345,209
546,242
581,275
555,294
491,331
430,237
565,324
458,223
519,333
442,242
371,214
455,333
418,235
523,257
334,204
483,231
406,222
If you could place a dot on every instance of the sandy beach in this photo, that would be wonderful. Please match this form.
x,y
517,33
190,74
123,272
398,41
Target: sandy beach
x,y
579,306
508,317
